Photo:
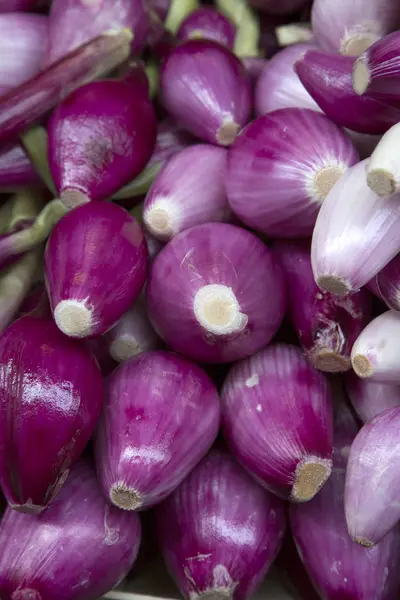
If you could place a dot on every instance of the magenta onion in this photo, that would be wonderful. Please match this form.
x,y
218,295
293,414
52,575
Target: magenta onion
x,y
219,531
209,24
388,283
254,67
278,7
86,545
376,71
277,419
133,334
100,138
375,353
327,78
327,325
281,168
74,23
50,401
383,170
371,494
206,89
10,6
189,190
215,293
279,86
161,416
96,265
351,27
370,398
31,100
16,169
338,567
23,40
353,241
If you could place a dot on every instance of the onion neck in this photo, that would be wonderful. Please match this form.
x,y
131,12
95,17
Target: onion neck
x,y
72,198
217,310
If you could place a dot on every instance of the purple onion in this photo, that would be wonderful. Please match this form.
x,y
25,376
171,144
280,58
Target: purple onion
x,y
133,334
10,6
219,531
74,23
16,169
50,401
371,494
254,67
31,100
327,325
215,293
99,347
218,113
160,417
96,265
277,419
278,7
86,545
188,191
296,577
161,7
279,85
281,168
327,78
100,138
388,283
351,27
23,40
370,398
209,24
353,241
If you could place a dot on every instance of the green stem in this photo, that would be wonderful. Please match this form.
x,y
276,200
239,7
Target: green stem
x,y
178,11
293,33
35,143
40,230
140,185
248,26
152,73
137,212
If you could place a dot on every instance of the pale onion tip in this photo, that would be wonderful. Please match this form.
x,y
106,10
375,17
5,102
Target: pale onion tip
x,y
73,198
328,361
357,44
361,365
227,133
360,77
381,182
124,32
159,222
332,284
311,474
124,497
123,348
325,179
217,310
73,318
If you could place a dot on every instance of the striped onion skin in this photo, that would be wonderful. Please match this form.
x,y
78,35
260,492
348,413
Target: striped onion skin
x,y
281,168
277,420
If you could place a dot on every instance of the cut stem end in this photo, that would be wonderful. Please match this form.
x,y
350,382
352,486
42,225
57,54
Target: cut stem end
x,y
357,44
334,285
123,348
159,223
73,318
227,133
311,474
329,362
381,182
325,179
362,365
218,311
363,542
125,498
360,77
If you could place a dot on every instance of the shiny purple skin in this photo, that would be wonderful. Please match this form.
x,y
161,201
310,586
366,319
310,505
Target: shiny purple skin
x,y
370,398
219,531
97,255
78,549
209,24
276,411
327,325
382,61
16,169
75,22
327,77
339,568
204,86
50,401
161,416
388,282
215,253
100,138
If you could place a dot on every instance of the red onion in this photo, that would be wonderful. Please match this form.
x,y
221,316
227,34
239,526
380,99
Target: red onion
x,y
27,103
16,169
219,531
161,416
254,67
327,325
74,23
22,43
189,190
96,265
278,7
100,138
209,24
376,71
375,353
77,549
388,283
327,77
133,334
50,390
215,293
10,6
279,85
277,419
351,27
281,168
353,240
370,398
371,494
217,114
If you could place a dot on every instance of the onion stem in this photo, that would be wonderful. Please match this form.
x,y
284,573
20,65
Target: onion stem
x,y
178,11
247,23
35,144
